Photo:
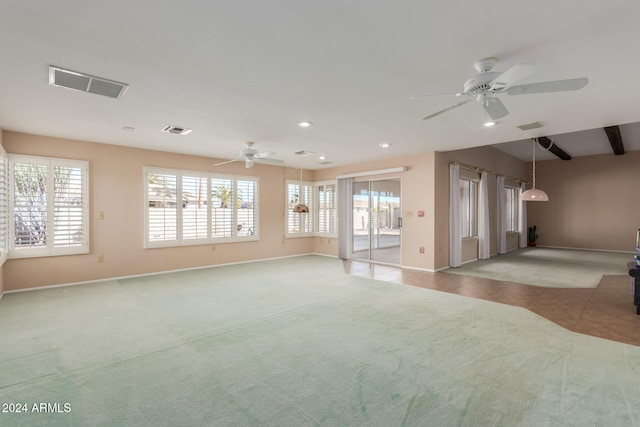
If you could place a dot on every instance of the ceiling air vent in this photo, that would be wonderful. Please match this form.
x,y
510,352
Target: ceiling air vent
x,y
529,126
178,130
303,153
85,82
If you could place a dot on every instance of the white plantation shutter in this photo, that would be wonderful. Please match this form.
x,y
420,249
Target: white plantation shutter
x,y
162,191
247,202
4,206
299,223
50,200
194,208
69,200
222,208
326,209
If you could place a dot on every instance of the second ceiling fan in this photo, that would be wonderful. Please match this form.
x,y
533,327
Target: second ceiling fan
x,y
484,86
250,155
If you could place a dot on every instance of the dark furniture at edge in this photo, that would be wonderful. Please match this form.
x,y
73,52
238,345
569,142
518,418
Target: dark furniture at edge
x,y
634,271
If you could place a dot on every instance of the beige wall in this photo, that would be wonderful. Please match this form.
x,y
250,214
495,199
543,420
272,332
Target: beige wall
x,y
417,194
485,158
593,202
571,219
117,189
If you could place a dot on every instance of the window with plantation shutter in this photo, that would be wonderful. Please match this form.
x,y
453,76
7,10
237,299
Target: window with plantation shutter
x,y
247,208
327,215
222,208
468,208
50,205
162,193
512,201
299,224
4,206
195,208
321,199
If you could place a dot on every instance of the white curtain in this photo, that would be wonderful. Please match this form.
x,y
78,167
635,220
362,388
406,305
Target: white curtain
x,y
484,228
345,217
455,241
522,219
502,217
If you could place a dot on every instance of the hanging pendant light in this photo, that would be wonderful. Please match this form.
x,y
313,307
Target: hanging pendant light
x,y
534,194
300,207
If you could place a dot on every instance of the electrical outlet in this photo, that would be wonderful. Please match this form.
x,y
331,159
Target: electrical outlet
x,y
213,248
100,214
100,258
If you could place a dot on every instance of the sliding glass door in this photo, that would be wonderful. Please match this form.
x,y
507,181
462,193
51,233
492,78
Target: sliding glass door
x,y
377,222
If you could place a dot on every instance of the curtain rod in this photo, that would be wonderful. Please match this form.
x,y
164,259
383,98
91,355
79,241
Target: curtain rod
x,y
480,170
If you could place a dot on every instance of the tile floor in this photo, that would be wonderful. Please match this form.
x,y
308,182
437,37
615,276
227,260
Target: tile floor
x,y
606,311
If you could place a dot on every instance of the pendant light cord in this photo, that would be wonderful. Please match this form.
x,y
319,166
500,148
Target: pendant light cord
x,y
534,140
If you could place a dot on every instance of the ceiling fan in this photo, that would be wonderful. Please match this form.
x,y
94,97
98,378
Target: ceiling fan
x,y
250,155
488,83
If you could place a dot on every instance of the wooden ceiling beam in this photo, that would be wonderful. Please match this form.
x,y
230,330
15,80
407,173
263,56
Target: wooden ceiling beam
x,y
550,146
615,139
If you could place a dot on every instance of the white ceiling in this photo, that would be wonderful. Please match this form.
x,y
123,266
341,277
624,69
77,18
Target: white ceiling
x,y
249,70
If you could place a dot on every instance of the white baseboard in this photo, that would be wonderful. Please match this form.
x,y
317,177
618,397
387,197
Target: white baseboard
x,y
428,270
586,249
153,273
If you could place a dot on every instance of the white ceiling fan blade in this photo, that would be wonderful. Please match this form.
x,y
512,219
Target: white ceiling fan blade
x,y
494,108
265,154
512,75
228,161
426,95
268,160
446,109
544,87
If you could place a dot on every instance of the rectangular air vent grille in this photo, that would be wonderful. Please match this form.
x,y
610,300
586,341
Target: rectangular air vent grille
x,y
529,126
178,130
86,83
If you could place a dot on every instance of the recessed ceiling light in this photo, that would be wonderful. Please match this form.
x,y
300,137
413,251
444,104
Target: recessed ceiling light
x,y
304,124
489,123
322,157
384,145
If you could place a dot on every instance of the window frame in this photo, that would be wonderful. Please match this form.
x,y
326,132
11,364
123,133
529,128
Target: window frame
x,y
4,206
469,209
313,221
330,212
49,248
307,198
512,209
236,235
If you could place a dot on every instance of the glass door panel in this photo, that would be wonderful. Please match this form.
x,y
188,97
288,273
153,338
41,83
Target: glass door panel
x,y
361,243
385,221
376,221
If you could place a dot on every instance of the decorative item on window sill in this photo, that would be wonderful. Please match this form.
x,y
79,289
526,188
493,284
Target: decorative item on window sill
x,y
534,194
300,207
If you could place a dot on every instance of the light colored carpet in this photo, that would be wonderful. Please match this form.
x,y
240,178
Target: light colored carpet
x,y
297,342
549,267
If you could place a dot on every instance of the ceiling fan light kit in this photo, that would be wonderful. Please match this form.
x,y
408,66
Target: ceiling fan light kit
x,y
485,86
